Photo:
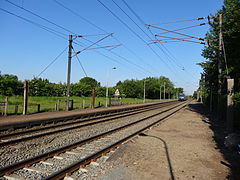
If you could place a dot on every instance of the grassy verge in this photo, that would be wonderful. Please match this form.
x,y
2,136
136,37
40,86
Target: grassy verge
x,y
49,103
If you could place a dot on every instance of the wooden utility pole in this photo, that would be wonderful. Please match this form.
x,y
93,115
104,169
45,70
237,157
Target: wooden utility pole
x,y
230,111
69,71
25,96
164,96
160,92
6,106
220,69
144,91
93,98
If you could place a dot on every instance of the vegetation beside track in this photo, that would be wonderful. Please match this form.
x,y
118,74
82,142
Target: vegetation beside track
x,y
48,103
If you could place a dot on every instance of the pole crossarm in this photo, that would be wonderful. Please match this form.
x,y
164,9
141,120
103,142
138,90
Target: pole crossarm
x,y
149,25
86,48
186,27
201,18
173,38
110,46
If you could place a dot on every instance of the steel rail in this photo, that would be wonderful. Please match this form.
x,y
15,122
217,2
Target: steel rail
x,y
71,117
7,170
75,121
17,140
60,174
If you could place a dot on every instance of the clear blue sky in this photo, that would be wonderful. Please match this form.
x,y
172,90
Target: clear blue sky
x,y
25,49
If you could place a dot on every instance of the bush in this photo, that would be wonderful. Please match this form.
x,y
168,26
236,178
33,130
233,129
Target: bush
x,y
236,99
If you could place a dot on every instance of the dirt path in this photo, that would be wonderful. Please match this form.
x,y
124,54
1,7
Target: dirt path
x,y
181,147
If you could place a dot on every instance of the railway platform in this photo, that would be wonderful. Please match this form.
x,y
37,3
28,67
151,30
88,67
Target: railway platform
x,y
18,121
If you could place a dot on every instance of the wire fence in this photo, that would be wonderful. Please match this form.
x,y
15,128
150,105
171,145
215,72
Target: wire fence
x,y
11,108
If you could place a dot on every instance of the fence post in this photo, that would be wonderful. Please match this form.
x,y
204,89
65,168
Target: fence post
x,y
6,106
25,101
16,109
58,105
83,104
93,98
38,108
2,108
71,105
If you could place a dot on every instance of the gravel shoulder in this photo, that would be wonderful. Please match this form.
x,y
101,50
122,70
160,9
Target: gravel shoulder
x,y
180,147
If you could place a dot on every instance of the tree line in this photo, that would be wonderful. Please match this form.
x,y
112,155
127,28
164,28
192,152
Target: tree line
x,y
229,57
10,85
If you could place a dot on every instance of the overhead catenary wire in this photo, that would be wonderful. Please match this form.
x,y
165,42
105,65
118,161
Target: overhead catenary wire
x,y
57,33
186,28
129,28
111,52
201,18
95,43
123,58
224,55
51,22
175,32
133,22
179,39
173,57
50,30
139,18
80,63
76,14
168,52
54,60
143,23
31,12
99,28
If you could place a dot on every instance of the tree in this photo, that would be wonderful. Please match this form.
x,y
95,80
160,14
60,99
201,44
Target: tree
x,y
84,87
40,87
130,88
231,39
89,81
100,91
10,85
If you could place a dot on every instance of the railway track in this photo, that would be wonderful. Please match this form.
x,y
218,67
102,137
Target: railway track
x,y
63,119
27,134
66,160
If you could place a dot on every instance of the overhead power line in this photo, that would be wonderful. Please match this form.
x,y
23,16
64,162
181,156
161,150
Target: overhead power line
x,y
101,29
55,59
138,17
31,12
123,58
201,18
129,28
143,23
179,39
174,32
134,23
80,63
76,14
95,42
167,53
57,33
186,28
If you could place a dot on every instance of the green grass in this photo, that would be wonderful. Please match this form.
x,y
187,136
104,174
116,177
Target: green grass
x,y
48,103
